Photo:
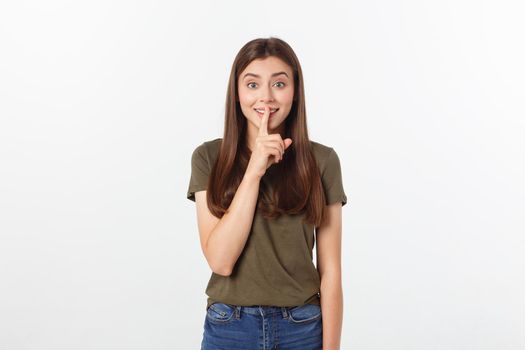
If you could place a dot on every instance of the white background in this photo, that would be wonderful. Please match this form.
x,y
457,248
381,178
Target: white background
x,y
102,103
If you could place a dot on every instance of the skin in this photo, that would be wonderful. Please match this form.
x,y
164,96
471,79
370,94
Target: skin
x,y
223,240
278,91
265,90
328,253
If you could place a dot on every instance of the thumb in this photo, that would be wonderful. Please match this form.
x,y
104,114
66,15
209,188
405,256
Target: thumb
x,y
287,143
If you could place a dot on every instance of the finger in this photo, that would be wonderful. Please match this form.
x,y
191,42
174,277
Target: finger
x,y
263,126
277,154
276,151
277,138
274,146
279,145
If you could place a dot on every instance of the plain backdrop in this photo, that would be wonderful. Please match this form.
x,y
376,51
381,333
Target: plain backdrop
x,y
102,103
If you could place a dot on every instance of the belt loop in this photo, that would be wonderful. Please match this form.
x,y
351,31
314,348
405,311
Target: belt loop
x,y
238,312
284,310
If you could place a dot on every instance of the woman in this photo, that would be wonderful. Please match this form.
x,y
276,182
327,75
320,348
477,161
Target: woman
x,y
260,192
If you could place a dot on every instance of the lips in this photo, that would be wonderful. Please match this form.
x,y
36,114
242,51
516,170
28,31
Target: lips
x,y
261,114
260,111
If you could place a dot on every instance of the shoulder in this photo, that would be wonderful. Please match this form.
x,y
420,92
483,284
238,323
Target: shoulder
x,y
205,154
213,144
325,155
320,150
208,148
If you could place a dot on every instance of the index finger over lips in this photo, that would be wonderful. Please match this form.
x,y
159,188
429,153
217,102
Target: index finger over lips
x,y
263,126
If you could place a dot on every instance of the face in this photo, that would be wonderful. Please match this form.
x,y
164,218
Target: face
x,y
266,82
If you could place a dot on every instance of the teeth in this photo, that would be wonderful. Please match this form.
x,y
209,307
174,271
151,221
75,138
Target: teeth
x,y
262,110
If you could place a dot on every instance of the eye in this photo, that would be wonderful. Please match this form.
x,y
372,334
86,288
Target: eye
x,y
279,82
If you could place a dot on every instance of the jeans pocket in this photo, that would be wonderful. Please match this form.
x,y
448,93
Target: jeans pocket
x,y
220,313
304,313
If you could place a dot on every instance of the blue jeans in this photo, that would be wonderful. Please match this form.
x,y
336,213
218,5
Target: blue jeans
x,y
231,327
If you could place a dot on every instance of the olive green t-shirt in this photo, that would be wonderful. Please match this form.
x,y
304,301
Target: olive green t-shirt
x,y
276,266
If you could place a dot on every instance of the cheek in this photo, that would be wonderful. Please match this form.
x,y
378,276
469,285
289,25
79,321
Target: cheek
x,y
245,99
286,96
245,103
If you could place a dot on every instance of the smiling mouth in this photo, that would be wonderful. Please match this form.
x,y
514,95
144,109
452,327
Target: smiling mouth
x,y
261,112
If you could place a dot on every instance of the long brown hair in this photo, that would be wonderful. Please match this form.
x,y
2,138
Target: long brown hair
x,y
298,187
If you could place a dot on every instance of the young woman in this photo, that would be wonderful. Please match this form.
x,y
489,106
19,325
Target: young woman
x,y
261,191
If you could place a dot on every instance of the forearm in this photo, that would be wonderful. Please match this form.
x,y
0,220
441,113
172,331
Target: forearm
x,y
332,311
227,239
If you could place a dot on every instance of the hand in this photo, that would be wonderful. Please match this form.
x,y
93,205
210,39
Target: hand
x,y
268,149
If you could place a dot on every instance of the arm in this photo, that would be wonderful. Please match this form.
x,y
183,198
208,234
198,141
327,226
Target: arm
x,y
222,240
329,267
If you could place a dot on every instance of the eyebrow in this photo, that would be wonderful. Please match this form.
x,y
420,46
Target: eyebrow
x,y
258,76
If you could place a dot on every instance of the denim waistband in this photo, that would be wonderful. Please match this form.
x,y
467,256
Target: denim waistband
x,y
263,310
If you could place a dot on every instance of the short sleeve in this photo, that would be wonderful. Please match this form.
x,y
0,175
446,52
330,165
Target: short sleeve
x,y
200,170
332,180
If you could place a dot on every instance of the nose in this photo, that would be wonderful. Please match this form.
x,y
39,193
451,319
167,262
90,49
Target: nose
x,y
266,95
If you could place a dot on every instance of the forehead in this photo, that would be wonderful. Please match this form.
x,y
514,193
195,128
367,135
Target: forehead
x,y
265,67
